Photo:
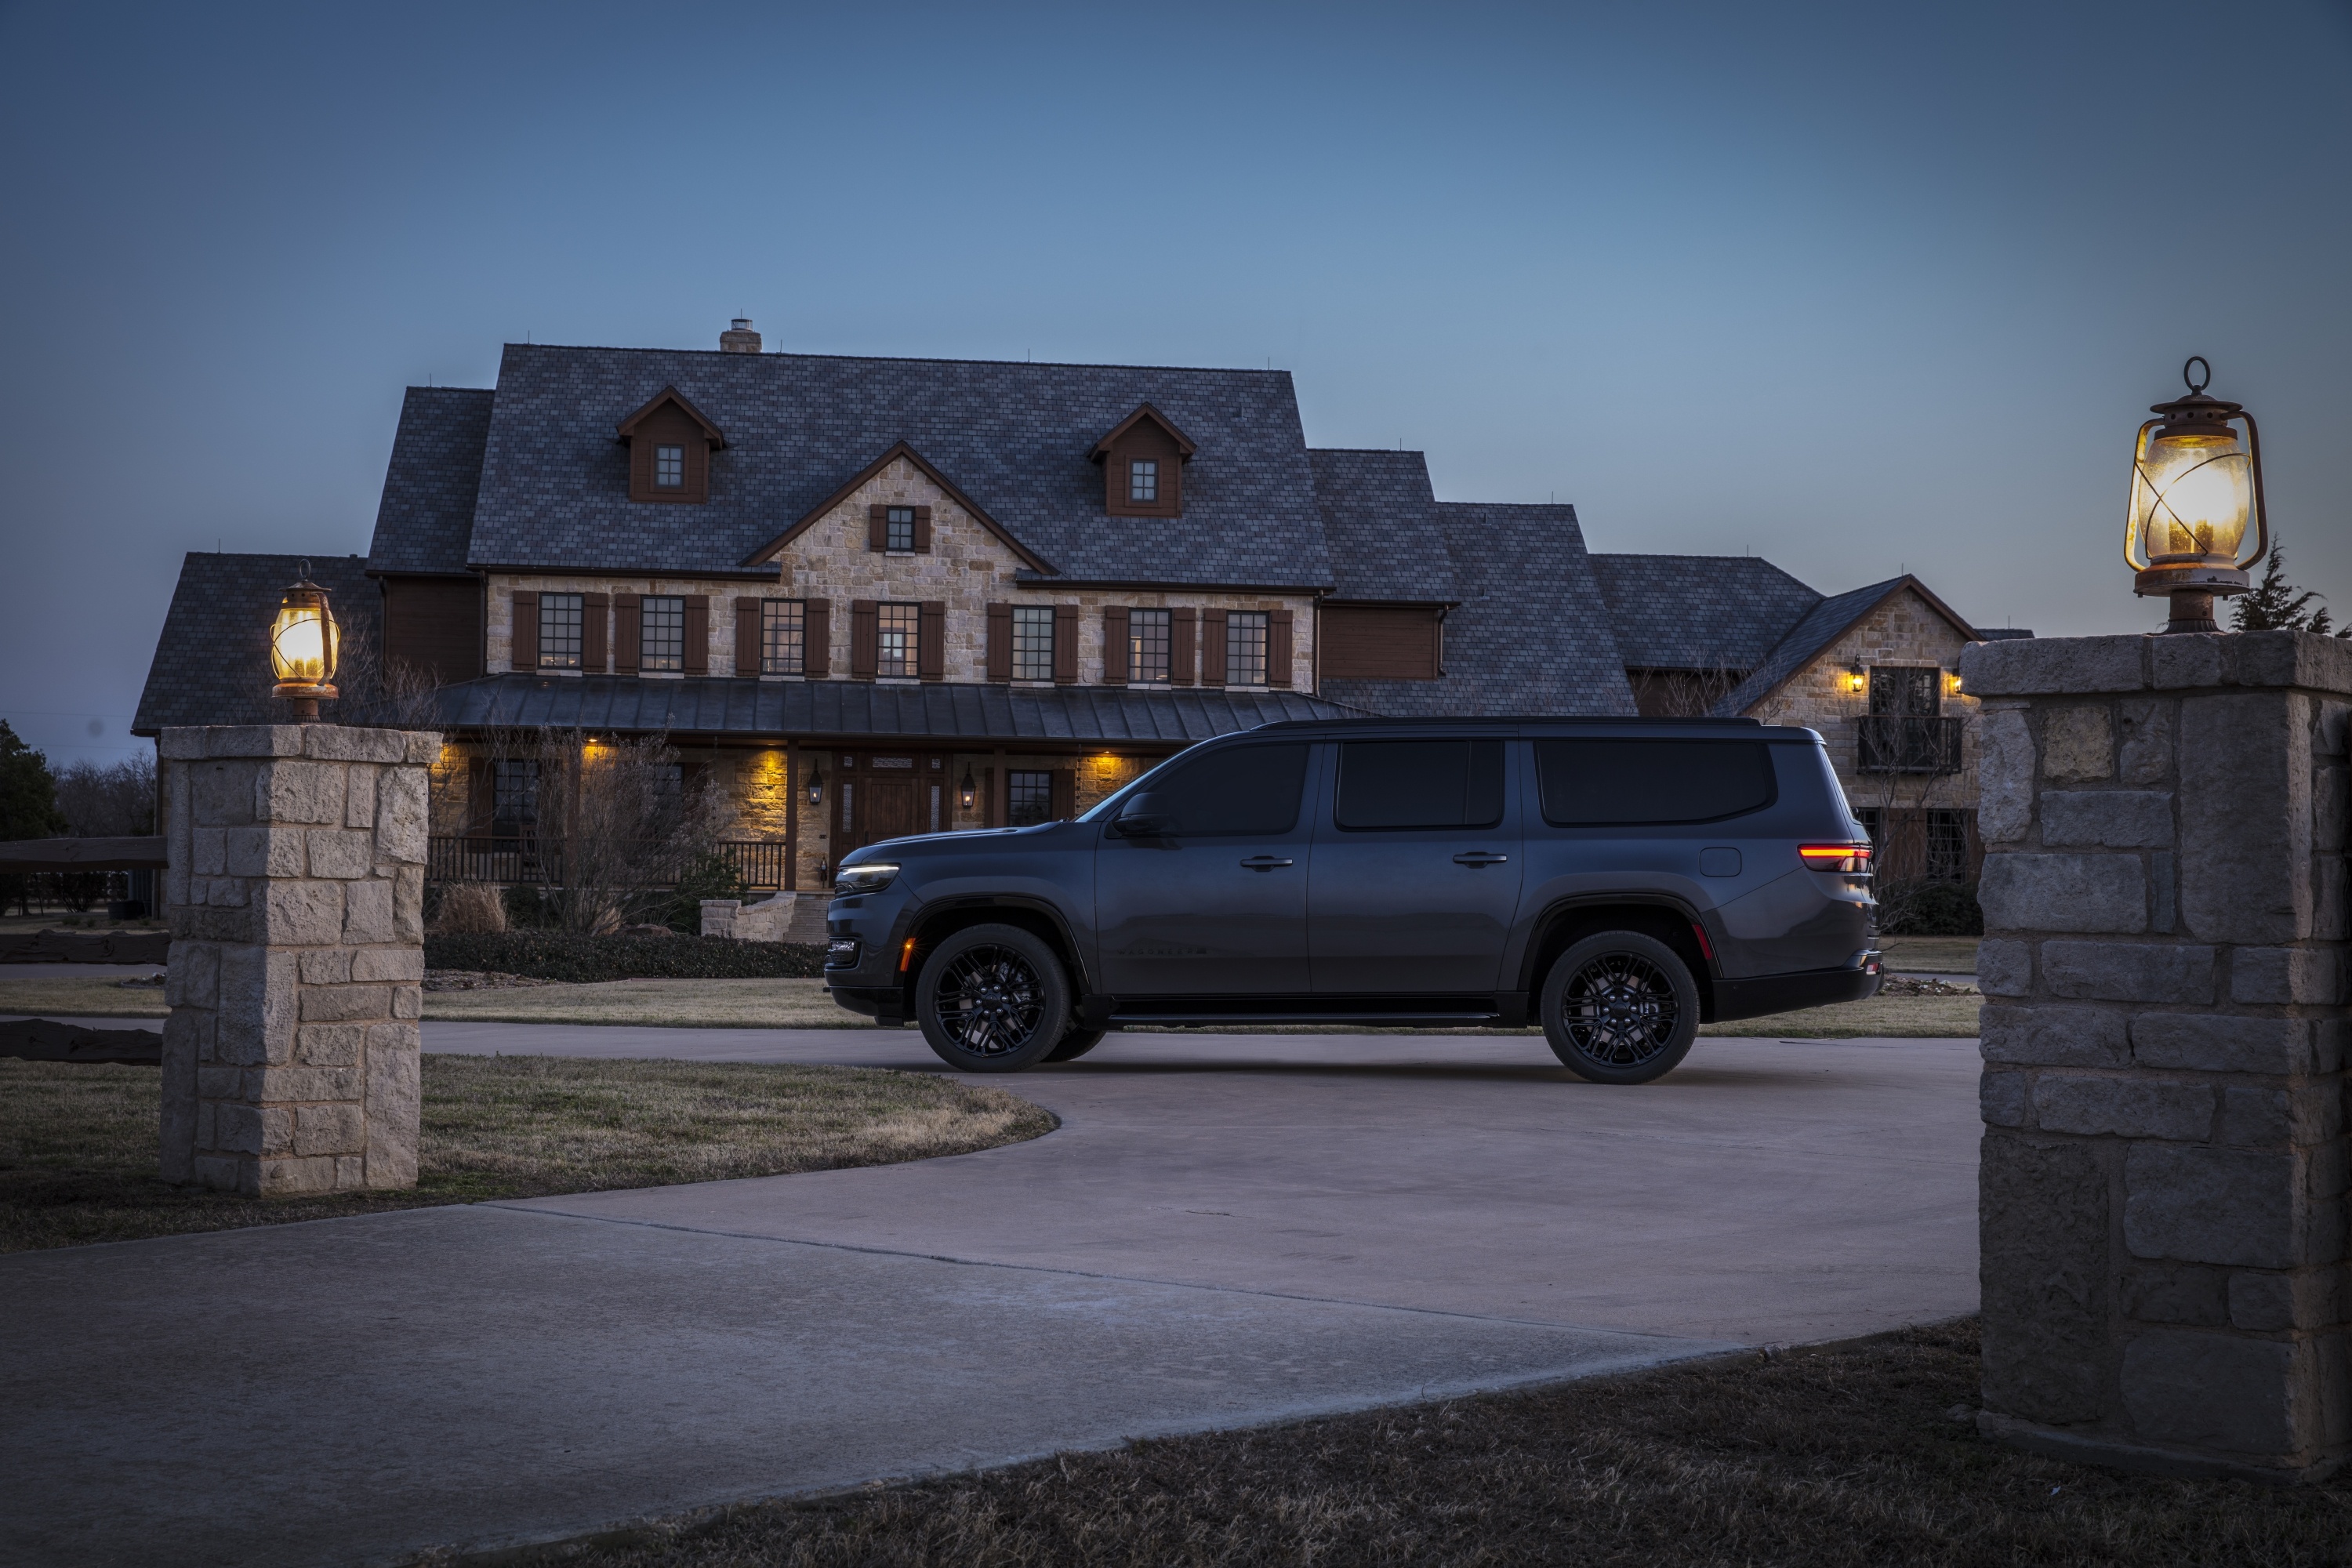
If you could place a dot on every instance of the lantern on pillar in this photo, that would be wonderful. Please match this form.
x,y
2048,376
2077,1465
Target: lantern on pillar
x,y
2196,485
305,645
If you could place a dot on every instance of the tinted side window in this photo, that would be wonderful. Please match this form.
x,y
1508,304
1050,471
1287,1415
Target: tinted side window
x,y
1602,782
1420,783
1243,789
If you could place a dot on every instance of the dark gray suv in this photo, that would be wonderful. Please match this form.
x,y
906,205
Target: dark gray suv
x,y
1620,880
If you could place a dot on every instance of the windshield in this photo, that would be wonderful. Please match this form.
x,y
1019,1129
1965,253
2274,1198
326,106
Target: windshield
x,y
1106,808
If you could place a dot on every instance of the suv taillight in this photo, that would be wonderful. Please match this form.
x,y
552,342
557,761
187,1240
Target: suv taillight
x,y
1848,858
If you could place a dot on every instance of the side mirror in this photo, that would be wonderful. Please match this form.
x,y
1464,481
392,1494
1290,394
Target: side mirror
x,y
1143,816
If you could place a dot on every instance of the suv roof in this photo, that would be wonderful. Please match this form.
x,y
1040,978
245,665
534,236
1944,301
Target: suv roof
x,y
1537,724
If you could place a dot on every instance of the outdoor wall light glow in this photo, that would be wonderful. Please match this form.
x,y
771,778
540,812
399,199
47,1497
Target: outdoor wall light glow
x,y
2195,486
817,784
1856,678
966,791
304,646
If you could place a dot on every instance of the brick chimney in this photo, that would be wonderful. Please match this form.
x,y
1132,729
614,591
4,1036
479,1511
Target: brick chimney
x,y
738,337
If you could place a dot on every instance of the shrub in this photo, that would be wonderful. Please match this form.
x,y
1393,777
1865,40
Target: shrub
x,y
573,956
470,909
1929,908
709,875
528,909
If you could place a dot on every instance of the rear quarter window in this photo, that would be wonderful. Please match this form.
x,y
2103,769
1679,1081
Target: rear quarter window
x,y
1633,783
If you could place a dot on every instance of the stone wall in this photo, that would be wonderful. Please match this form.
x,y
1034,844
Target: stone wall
x,y
2165,1161
295,895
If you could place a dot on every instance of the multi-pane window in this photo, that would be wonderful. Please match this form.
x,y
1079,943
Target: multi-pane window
x,y
514,794
784,637
1033,642
669,468
897,639
1245,648
898,528
1143,479
1909,691
1947,846
662,631
1028,797
1147,645
559,631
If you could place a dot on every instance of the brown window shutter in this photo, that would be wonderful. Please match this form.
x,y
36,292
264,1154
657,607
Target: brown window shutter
x,y
747,637
526,632
698,633
816,637
1278,647
922,531
932,641
1065,643
1066,794
627,630
1213,648
999,642
481,794
1114,645
594,608
1180,646
864,638
877,527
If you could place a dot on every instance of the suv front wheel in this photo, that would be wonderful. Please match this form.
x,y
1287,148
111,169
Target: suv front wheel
x,y
1619,1007
993,998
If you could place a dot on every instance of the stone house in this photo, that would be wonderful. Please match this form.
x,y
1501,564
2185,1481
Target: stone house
x,y
867,597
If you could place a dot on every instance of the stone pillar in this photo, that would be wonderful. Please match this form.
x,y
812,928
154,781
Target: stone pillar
x,y
2162,1198
295,892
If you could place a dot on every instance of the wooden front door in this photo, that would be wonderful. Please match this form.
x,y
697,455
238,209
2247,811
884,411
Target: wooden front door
x,y
889,810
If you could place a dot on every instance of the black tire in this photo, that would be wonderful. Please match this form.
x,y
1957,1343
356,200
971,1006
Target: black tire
x,y
993,998
1076,1044
1619,1007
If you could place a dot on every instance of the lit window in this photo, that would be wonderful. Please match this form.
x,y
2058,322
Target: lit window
x,y
897,639
784,637
900,529
559,631
1143,479
662,643
1245,648
1146,645
1028,797
669,468
1033,642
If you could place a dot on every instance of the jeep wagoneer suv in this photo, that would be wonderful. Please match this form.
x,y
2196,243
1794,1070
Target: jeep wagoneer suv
x,y
1620,880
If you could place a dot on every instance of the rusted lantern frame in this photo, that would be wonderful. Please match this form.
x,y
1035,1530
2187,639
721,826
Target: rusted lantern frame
x,y
305,595
2192,586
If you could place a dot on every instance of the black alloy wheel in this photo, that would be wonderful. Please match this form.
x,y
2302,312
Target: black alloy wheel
x,y
993,998
1076,1044
1621,1007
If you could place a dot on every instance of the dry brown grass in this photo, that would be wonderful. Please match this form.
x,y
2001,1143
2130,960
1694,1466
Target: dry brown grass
x,y
78,1143
1930,954
1845,1458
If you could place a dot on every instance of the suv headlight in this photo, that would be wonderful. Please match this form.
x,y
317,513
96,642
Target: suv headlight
x,y
867,876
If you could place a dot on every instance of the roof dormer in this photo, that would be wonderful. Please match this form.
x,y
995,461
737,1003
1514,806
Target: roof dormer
x,y
670,444
1143,461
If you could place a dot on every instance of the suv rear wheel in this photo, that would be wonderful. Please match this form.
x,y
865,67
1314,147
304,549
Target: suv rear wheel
x,y
1619,1007
993,998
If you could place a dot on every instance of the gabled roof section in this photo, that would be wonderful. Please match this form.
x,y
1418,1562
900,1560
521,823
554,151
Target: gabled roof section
x,y
1529,634
212,662
767,551
425,519
1713,613
1379,522
671,396
1184,442
1822,626
1018,438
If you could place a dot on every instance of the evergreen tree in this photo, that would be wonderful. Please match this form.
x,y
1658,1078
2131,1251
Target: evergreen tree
x,y
29,794
2278,605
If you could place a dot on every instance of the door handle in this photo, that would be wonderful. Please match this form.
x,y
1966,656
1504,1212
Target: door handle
x,y
1264,862
1480,857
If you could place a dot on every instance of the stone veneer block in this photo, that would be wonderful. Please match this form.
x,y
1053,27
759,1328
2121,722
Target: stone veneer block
x,y
294,891
2165,1158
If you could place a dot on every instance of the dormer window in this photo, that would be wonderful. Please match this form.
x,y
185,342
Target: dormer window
x,y
670,444
1143,463
669,468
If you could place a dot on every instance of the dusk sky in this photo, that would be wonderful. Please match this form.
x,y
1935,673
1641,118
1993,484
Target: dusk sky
x,y
1859,288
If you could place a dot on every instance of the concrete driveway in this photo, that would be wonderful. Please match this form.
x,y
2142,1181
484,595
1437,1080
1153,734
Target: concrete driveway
x,y
1227,1229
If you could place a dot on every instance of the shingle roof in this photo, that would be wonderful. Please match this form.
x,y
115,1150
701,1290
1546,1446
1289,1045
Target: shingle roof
x,y
1379,521
612,704
426,516
1821,625
1014,437
1699,612
212,662
1531,633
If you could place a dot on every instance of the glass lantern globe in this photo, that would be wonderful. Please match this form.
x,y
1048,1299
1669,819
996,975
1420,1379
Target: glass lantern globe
x,y
305,648
2196,490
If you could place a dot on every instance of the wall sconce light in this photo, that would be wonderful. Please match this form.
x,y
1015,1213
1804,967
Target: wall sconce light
x,y
1952,682
967,792
1857,678
305,645
2194,487
816,783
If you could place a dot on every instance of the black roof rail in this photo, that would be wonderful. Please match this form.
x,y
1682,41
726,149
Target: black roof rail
x,y
1499,719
